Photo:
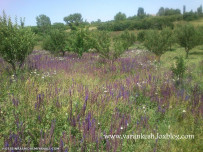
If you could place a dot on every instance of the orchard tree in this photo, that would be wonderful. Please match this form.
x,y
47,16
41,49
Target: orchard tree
x,y
120,16
118,48
102,43
128,39
73,20
157,42
187,37
16,42
43,23
55,42
81,41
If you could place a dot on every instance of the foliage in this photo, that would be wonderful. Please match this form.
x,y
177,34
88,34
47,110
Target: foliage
x,y
187,37
166,11
120,16
140,12
119,47
43,23
128,39
157,42
55,42
81,41
157,22
59,26
73,20
102,43
179,68
16,42
190,16
141,36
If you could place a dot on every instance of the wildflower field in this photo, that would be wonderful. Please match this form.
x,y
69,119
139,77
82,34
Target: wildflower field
x,y
83,104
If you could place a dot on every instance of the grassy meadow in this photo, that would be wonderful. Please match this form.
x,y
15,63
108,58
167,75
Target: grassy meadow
x,y
76,103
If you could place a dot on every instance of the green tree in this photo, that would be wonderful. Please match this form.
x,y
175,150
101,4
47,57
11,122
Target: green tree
x,y
43,23
179,69
187,37
118,48
102,43
59,26
184,9
73,20
55,42
120,16
157,42
140,12
16,42
199,10
81,41
128,39
161,12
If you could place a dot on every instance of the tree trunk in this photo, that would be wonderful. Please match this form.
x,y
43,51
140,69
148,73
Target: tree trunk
x,y
63,52
158,58
187,53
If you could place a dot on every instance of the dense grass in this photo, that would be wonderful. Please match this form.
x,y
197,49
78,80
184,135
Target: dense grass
x,y
72,103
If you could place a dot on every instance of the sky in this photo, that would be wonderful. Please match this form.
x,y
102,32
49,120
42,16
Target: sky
x,y
91,10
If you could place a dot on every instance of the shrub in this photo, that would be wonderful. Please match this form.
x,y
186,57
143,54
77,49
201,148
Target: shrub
x,y
55,42
16,42
102,44
179,68
141,36
128,39
81,41
119,48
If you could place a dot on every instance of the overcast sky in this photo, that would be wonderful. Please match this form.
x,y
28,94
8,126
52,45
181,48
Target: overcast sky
x,y
91,10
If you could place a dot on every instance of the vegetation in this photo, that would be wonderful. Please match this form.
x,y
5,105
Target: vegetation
x,y
158,42
16,42
55,42
43,23
75,102
120,16
187,37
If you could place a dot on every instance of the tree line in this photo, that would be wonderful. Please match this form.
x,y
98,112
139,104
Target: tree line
x,y
17,41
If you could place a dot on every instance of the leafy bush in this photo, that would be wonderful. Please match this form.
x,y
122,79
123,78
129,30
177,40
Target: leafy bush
x,y
179,68
55,42
128,39
141,36
102,44
81,41
119,48
16,42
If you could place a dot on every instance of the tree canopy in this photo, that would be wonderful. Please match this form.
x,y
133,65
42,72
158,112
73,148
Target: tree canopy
x,y
119,16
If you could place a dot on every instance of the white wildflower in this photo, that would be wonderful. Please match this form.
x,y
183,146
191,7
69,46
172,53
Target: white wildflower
x,y
105,91
184,111
42,77
121,128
